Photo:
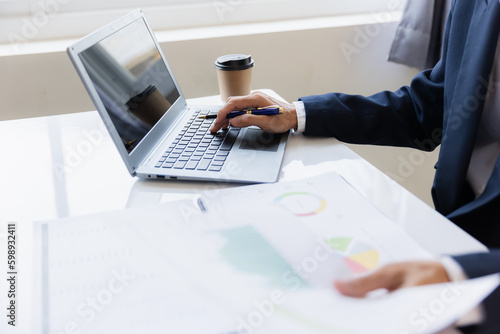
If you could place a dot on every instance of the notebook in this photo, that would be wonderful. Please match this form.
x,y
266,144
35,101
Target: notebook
x,y
158,135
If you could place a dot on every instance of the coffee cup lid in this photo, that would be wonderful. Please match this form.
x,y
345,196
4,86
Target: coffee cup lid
x,y
235,62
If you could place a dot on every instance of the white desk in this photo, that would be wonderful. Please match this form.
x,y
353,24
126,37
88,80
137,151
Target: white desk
x,y
67,165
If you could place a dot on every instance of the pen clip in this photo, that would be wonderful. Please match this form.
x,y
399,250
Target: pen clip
x,y
261,108
269,107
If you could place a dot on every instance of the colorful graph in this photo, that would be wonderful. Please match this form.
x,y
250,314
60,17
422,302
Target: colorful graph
x,y
246,250
360,257
302,204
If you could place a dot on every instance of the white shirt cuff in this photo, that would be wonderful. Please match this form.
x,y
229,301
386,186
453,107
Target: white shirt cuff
x,y
301,116
457,274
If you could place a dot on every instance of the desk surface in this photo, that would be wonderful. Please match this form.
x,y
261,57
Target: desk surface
x,y
67,165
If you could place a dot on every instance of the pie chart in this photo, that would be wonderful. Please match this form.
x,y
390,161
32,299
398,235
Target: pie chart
x,y
360,257
302,204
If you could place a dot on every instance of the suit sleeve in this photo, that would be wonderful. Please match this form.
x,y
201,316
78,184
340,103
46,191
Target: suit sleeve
x,y
407,117
480,264
402,118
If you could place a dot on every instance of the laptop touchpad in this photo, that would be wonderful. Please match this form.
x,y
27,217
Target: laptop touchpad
x,y
256,139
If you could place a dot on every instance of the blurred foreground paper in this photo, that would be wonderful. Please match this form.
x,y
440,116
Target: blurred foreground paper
x,y
264,264
426,309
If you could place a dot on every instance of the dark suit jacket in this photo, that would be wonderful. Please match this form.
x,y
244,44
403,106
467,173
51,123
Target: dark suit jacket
x,y
442,106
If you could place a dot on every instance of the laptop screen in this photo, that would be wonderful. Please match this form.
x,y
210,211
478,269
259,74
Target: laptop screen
x,y
132,81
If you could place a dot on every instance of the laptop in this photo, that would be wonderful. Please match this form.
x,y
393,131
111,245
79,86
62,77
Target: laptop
x,y
158,135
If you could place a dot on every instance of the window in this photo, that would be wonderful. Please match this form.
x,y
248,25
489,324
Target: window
x,y
31,20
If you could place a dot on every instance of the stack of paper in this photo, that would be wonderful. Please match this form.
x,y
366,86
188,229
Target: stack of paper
x,y
255,259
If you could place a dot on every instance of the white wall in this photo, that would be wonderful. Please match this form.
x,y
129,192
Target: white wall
x,y
294,63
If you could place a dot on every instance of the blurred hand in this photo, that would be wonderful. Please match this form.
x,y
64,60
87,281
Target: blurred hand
x,y
272,124
395,276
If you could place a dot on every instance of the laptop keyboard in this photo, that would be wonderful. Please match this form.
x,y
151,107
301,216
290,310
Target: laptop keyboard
x,y
195,148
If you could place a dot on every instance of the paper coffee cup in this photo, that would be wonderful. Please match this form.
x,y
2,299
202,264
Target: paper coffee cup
x,y
234,73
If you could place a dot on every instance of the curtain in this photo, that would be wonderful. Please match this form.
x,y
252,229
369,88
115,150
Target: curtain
x,y
420,33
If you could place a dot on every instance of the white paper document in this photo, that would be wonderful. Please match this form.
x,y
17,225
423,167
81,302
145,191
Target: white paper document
x,y
259,259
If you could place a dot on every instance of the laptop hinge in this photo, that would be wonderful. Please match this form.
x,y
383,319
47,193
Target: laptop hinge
x,y
172,128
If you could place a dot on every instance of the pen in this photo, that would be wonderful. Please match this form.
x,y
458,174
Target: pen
x,y
269,111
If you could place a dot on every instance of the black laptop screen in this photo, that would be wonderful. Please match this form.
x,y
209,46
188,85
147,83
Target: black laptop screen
x,y
132,81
